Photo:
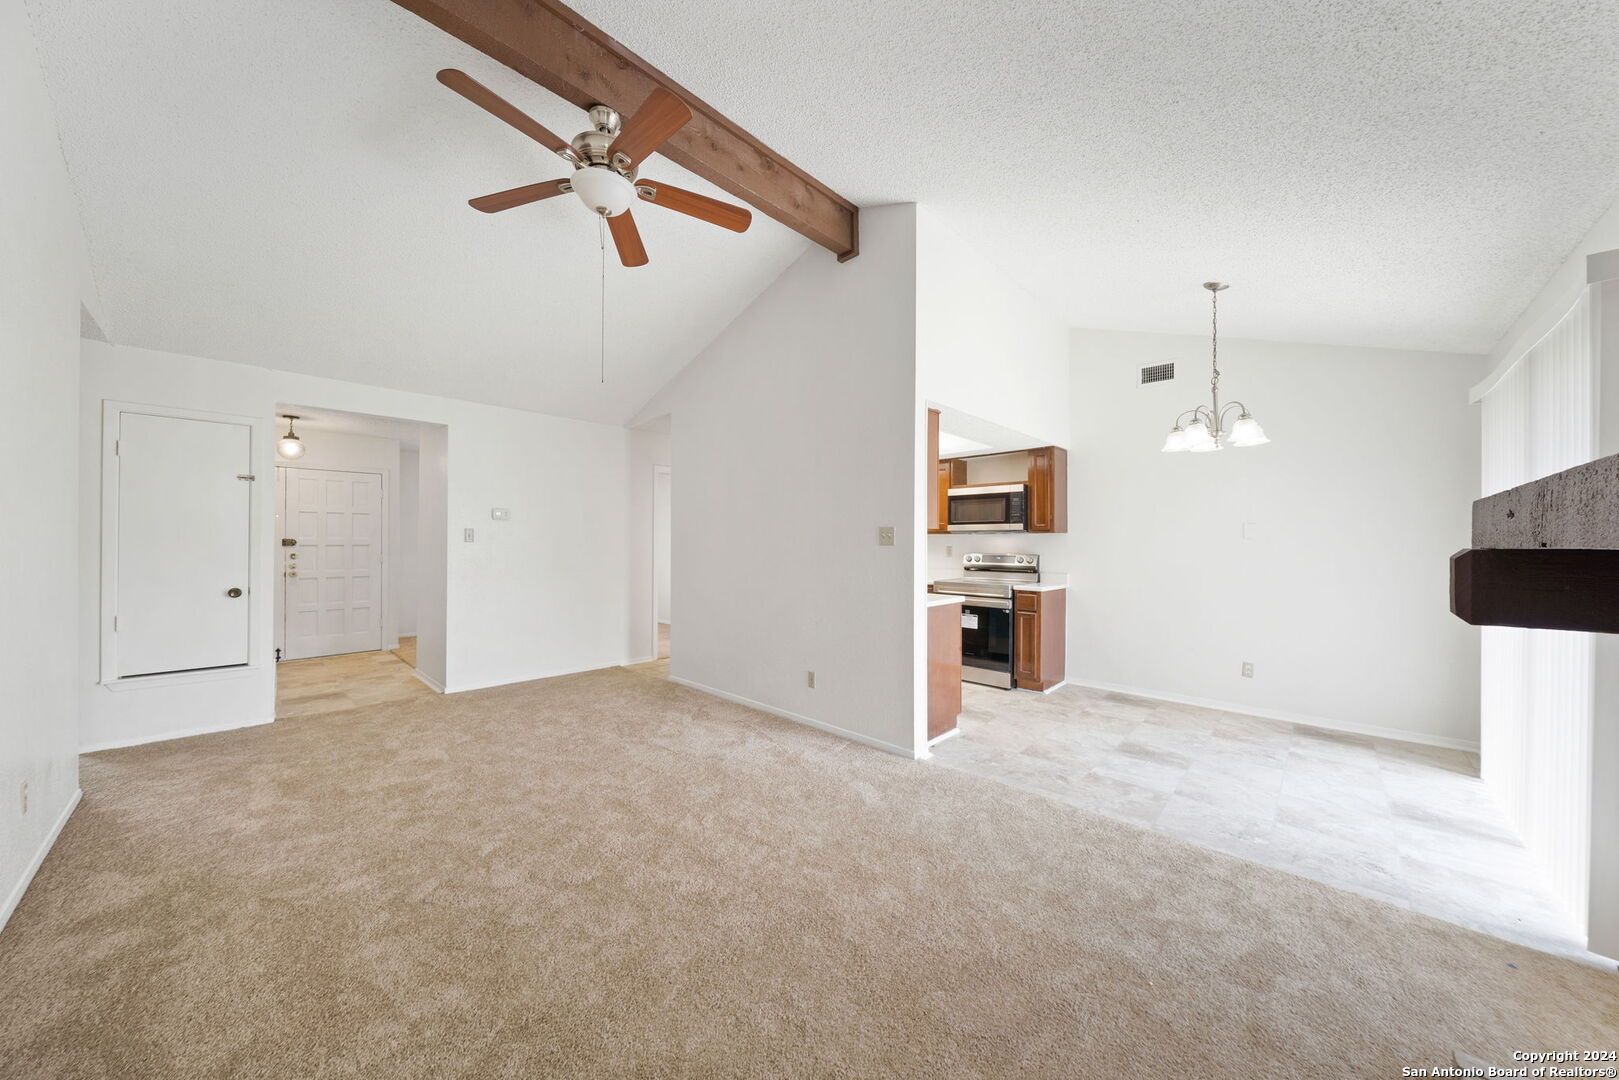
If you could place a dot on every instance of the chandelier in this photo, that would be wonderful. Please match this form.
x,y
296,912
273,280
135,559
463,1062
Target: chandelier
x,y
1205,431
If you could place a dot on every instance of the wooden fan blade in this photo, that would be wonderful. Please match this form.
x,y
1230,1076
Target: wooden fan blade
x,y
660,116
517,196
694,205
627,238
486,99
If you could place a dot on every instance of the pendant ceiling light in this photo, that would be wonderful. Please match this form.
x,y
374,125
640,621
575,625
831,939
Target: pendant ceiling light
x,y
290,445
1205,430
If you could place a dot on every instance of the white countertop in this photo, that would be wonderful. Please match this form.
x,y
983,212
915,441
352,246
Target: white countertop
x,y
1042,587
940,599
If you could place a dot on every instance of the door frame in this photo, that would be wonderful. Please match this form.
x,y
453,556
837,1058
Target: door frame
x,y
657,471
112,413
278,514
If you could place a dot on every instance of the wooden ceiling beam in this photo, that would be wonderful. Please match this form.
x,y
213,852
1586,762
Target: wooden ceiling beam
x,y
554,46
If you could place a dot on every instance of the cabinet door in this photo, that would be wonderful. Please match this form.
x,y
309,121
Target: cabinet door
x,y
1026,640
941,483
1040,490
1048,490
936,496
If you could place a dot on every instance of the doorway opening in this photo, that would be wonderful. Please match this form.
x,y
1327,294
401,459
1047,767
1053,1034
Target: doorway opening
x,y
662,483
357,567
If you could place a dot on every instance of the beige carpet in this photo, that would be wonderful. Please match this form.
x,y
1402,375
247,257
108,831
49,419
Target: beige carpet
x,y
610,875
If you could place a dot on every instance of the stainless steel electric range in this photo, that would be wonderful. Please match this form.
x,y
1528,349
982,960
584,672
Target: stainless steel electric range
x,y
985,587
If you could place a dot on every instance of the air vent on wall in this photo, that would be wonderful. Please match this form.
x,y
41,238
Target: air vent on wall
x,y
1157,373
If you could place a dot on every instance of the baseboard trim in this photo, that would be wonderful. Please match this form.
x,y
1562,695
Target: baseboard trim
x,y
1394,734
119,744
819,725
432,683
15,896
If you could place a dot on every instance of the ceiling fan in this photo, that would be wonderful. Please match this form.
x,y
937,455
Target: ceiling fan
x,y
606,161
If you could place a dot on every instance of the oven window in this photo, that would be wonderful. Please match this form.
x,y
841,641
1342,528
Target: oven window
x,y
980,509
986,637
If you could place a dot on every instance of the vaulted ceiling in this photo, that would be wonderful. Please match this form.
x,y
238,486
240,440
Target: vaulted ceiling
x,y
284,183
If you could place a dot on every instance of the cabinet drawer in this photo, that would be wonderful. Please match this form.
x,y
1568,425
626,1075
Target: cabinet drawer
x,y
1028,601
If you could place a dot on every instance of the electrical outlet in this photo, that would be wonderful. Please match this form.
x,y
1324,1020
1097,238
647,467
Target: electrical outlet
x,y
885,536
25,798
949,549
1247,669
500,513
812,680
466,535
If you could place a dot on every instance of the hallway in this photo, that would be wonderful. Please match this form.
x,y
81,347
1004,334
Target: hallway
x,y
350,680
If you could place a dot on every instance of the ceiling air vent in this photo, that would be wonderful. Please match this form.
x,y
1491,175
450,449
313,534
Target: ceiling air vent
x,y
1157,373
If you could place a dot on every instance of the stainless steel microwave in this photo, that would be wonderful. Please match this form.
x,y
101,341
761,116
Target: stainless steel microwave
x,y
988,508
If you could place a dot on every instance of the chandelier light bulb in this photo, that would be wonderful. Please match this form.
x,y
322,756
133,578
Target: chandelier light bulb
x,y
1176,440
1247,432
1198,438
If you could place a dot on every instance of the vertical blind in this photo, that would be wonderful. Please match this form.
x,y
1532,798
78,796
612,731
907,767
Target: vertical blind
x,y
1537,689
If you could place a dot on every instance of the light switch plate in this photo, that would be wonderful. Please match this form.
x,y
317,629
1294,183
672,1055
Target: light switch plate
x,y
885,536
466,534
500,513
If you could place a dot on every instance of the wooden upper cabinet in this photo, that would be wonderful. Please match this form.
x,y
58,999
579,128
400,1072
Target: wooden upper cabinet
x,y
940,522
1048,490
935,494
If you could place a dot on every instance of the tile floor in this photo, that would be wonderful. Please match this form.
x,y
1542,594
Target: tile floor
x,y
1408,824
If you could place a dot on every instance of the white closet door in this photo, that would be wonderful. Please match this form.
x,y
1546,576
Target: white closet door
x,y
333,573
183,544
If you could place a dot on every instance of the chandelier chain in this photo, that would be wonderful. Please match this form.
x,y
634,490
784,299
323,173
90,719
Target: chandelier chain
x,y
1214,342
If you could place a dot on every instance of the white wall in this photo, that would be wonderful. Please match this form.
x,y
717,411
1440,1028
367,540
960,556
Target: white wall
x,y
40,273
1341,598
983,345
807,401
405,584
650,446
512,604
347,452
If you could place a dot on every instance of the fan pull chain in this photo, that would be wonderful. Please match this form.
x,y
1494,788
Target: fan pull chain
x,y
601,240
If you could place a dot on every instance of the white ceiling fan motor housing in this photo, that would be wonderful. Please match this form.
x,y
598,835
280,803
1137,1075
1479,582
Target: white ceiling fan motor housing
x,y
603,190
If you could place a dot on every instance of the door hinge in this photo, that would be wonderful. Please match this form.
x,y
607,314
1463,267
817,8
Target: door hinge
x,y
249,477
115,624
115,446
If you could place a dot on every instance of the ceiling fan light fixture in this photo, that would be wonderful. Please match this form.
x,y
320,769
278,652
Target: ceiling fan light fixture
x,y
603,190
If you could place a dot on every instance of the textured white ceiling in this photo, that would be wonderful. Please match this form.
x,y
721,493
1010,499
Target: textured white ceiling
x,y
1400,173
284,183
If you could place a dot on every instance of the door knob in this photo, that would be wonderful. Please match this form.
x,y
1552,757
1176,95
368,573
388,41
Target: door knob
x,y
233,593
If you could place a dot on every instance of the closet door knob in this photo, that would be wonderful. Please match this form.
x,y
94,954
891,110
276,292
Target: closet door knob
x,y
233,593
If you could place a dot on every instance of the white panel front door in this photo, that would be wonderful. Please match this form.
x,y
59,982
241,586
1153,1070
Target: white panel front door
x,y
333,574
184,530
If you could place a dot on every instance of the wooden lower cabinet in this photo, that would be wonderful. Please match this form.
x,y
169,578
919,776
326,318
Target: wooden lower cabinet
x,y
1039,639
944,668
